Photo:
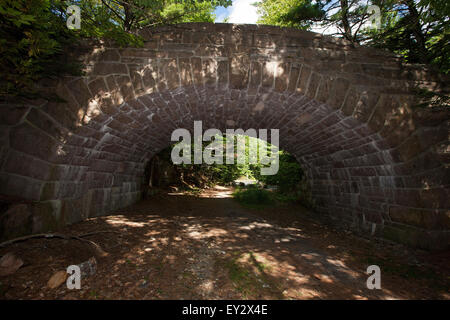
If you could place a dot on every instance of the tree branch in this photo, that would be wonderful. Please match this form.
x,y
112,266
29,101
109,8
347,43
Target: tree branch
x,y
112,10
96,247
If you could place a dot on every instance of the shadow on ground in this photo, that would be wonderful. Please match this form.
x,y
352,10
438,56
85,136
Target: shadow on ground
x,y
207,246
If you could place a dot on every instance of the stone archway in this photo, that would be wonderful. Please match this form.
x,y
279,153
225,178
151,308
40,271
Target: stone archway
x,y
374,163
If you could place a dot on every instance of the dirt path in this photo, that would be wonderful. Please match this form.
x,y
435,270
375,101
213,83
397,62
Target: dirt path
x,y
179,246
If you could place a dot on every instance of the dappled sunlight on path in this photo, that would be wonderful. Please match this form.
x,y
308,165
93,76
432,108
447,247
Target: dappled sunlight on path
x,y
207,246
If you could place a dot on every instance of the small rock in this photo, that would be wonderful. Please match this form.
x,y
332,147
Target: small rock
x,y
323,278
9,264
144,284
88,268
57,279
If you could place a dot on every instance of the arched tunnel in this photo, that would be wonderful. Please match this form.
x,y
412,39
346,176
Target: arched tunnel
x,y
375,163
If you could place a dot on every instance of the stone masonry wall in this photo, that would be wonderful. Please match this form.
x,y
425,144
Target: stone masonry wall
x,y
375,164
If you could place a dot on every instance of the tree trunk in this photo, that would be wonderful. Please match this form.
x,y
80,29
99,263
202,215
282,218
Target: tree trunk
x,y
128,21
345,23
416,29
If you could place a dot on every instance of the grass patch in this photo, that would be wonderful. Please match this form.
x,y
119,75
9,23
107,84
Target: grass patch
x,y
93,294
245,282
249,276
262,267
255,197
283,198
192,190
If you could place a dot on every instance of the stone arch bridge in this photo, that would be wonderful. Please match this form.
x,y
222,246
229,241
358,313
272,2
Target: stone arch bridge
x,y
374,162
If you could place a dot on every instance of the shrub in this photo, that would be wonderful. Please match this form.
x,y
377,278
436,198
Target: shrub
x,y
252,196
288,176
32,39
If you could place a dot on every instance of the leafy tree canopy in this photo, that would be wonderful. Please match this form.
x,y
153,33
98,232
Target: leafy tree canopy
x,y
34,34
417,29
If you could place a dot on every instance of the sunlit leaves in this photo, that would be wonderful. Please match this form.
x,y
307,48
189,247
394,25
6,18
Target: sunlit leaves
x,y
30,35
33,33
286,13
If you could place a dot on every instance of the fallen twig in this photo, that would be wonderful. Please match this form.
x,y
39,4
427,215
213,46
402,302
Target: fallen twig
x,y
97,247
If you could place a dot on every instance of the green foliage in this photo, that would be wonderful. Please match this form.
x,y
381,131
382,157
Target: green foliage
x,y
135,14
419,30
180,12
32,38
98,22
245,280
253,196
288,13
288,179
288,176
347,17
201,174
289,173
304,12
284,198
